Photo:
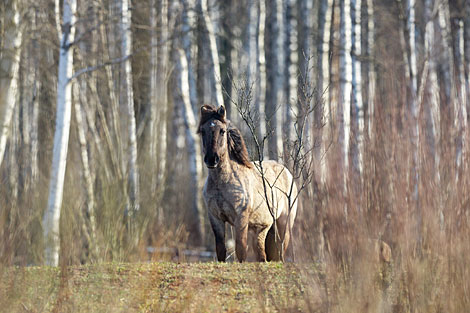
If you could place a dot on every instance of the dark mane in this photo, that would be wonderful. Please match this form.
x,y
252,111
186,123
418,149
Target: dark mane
x,y
237,148
236,145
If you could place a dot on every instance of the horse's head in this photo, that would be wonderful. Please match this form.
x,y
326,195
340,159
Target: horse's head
x,y
213,130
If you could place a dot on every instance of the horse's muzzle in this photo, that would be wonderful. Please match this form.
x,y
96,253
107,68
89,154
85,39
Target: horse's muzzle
x,y
211,161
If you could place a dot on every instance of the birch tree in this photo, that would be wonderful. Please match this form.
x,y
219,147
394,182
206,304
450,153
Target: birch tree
x,y
126,50
346,87
9,69
324,81
357,86
162,63
61,136
371,73
275,62
181,96
214,54
432,110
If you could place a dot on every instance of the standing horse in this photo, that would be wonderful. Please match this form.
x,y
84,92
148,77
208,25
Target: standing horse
x,y
234,191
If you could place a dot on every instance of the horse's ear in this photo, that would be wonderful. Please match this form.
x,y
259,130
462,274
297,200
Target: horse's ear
x,y
206,109
221,111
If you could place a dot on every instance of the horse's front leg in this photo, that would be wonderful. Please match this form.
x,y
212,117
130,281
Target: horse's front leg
x,y
241,233
218,227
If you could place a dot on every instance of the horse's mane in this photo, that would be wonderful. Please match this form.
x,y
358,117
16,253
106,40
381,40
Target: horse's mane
x,y
235,143
237,148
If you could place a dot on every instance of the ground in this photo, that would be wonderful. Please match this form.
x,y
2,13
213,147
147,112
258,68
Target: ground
x,y
159,287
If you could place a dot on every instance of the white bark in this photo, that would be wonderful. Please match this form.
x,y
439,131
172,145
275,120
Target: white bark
x,y
261,86
126,49
325,83
274,79
291,70
432,110
357,85
88,181
346,86
414,98
9,63
192,144
61,136
162,61
153,88
371,72
462,105
213,53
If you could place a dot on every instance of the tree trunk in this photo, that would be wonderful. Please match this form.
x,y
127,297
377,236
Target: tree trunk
x,y
357,88
274,79
371,73
88,180
260,103
324,84
126,50
214,54
61,136
181,97
162,75
461,113
346,88
290,46
9,63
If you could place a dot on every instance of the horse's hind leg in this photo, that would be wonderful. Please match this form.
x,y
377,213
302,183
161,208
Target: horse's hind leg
x,y
275,245
272,253
260,248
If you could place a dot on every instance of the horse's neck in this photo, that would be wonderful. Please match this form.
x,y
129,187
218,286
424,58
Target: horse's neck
x,y
223,173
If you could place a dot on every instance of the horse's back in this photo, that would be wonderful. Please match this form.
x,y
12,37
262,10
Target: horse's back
x,y
278,176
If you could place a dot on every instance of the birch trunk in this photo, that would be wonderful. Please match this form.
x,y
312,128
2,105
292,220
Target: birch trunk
x,y
274,78
432,110
371,75
358,105
467,50
346,88
214,54
61,136
126,50
415,110
9,63
324,83
152,133
290,46
187,24
262,79
162,61
462,88
88,180
193,149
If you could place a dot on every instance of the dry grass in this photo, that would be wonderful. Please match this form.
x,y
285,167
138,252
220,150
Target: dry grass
x,y
156,287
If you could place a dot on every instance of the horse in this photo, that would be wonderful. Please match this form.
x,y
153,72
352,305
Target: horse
x,y
234,192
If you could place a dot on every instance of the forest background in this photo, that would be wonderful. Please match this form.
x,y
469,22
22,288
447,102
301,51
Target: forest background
x,y
100,161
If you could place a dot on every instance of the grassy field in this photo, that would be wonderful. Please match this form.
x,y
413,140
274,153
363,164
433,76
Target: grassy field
x,y
159,287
